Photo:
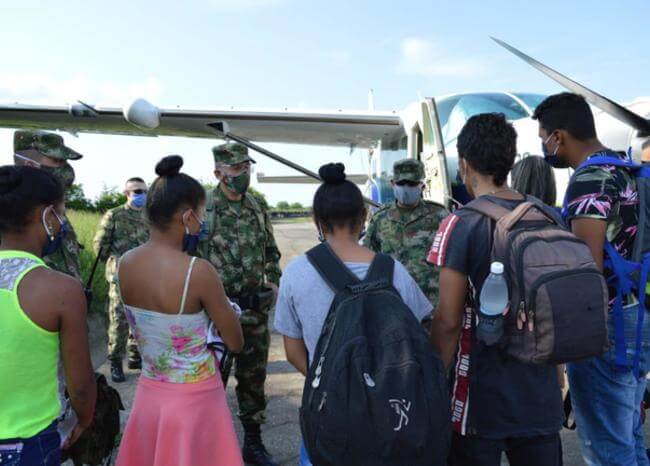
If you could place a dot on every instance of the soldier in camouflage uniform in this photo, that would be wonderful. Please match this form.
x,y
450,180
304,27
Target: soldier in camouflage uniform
x,y
47,151
405,228
241,246
122,228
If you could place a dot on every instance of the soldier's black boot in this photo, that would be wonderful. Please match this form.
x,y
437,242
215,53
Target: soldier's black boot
x,y
117,373
254,452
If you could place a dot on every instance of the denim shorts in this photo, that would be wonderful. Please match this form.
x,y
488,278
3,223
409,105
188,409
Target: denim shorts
x,y
43,448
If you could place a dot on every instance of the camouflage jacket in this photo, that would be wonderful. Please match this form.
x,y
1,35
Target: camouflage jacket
x,y
66,259
240,243
407,236
121,229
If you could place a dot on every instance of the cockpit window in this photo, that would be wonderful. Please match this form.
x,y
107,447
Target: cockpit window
x,y
456,110
532,100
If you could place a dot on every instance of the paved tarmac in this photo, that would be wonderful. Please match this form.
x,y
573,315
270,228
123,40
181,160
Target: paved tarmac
x,y
284,384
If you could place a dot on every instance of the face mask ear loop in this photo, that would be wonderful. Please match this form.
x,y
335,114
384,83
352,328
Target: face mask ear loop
x,y
49,231
321,237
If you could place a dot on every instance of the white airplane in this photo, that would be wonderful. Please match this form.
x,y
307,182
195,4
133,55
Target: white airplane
x,y
426,129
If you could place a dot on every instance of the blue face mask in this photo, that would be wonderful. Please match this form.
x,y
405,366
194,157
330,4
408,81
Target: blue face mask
x,y
139,200
552,159
191,240
53,242
407,195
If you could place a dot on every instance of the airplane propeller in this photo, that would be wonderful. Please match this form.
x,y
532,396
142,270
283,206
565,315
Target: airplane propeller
x,y
642,125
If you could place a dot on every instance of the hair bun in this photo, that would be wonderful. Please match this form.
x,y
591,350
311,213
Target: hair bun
x,y
332,173
10,179
169,166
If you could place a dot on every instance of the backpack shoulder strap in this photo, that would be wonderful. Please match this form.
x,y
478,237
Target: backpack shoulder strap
x,y
330,267
608,160
382,268
485,206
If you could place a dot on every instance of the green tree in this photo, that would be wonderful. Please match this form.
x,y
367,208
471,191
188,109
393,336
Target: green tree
x,y
296,206
109,198
282,205
259,197
75,199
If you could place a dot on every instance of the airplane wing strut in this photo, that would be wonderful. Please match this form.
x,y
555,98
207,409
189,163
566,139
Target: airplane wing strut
x,y
223,131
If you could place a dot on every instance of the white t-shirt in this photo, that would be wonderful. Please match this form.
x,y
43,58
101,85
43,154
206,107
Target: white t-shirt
x,y
305,299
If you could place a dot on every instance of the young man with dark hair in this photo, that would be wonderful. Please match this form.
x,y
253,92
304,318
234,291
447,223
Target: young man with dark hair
x,y
498,404
600,206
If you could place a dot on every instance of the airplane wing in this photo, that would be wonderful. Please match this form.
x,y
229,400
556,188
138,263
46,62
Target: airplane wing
x,y
262,178
331,128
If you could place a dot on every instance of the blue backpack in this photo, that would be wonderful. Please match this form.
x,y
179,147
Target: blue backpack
x,y
630,277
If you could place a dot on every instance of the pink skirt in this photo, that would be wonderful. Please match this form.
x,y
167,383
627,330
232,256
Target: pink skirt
x,y
180,424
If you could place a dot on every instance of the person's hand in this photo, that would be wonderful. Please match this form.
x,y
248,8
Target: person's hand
x,y
74,436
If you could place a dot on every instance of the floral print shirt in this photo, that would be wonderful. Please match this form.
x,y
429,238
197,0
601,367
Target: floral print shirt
x,y
173,347
608,193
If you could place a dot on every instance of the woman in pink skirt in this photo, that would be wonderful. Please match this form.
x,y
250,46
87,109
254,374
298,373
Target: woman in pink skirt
x,y
180,416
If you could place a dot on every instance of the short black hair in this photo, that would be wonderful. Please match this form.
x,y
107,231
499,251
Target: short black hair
x,y
22,190
338,202
135,179
532,175
171,191
569,112
489,144
645,145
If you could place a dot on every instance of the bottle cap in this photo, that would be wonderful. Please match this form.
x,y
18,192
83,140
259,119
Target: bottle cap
x,y
496,268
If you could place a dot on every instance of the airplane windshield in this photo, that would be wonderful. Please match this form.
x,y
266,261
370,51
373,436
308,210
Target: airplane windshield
x,y
456,110
532,100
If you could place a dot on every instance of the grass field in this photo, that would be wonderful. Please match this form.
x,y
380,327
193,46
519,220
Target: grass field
x,y
86,224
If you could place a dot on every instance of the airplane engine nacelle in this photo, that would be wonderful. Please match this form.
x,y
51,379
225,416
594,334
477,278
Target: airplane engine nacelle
x,y
142,114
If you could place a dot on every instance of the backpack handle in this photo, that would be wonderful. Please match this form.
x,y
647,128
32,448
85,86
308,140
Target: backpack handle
x,y
512,218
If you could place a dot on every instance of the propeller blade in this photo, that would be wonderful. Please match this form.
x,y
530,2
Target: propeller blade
x,y
609,106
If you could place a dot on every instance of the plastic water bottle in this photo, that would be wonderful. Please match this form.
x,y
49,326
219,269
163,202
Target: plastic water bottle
x,y
494,299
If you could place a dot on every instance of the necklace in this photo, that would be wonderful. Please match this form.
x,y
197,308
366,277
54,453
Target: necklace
x,y
500,191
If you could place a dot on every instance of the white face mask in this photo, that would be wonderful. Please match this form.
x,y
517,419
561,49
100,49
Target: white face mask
x,y
407,195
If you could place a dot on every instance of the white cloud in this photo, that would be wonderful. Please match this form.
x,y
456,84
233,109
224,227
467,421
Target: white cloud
x,y
421,57
38,88
243,4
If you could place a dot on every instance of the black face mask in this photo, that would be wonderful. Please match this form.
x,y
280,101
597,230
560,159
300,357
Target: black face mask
x,y
552,159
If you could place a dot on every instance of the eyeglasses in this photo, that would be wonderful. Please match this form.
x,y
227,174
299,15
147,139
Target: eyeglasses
x,y
139,191
410,183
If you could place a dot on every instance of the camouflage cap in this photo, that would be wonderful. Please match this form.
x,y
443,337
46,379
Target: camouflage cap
x,y
408,170
49,144
231,153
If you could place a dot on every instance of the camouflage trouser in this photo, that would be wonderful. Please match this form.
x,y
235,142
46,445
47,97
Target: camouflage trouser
x,y
250,367
118,329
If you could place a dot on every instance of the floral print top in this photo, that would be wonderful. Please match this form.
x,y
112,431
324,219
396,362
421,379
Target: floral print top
x,y
173,347
609,193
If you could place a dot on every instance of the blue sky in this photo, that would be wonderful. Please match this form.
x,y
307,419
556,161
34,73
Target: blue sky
x,y
298,54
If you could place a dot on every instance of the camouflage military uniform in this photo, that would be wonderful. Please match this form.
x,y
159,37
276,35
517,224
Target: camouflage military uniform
x,y
51,145
241,246
407,233
122,228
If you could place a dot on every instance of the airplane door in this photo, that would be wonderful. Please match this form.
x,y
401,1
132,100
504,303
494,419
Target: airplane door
x,y
438,184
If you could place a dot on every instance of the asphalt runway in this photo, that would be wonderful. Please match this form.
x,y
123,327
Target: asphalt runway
x,y
284,384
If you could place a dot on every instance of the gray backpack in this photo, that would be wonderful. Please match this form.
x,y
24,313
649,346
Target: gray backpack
x,y
552,279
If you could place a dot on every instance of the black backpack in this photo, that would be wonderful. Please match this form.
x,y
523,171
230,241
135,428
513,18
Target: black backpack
x,y
96,444
376,392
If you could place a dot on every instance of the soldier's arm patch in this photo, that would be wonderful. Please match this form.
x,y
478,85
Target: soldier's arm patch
x,y
438,249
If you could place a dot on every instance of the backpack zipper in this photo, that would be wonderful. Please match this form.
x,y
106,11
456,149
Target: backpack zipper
x,y
520,258
537,284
